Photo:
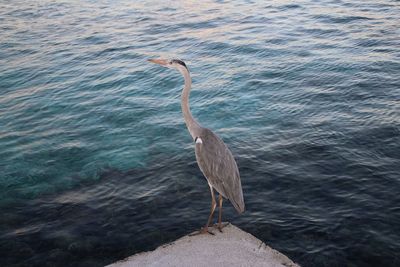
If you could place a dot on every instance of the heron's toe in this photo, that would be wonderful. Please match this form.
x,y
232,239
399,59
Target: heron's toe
x,y
202,231
220,226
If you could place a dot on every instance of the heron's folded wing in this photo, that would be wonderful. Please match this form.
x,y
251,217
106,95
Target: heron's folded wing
x,y
219,167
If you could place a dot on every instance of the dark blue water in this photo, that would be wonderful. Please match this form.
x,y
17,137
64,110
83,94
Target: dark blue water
x,y
96,163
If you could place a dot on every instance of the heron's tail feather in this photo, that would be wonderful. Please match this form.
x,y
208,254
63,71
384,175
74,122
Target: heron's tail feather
x,y
238,203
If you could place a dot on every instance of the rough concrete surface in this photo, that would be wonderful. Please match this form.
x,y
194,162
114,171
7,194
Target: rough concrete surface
x,y
233,247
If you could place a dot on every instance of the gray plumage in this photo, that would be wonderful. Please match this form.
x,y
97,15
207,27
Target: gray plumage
x,y
219,167
213,156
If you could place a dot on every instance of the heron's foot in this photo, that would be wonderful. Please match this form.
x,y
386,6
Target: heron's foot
x,y
221,225
202,231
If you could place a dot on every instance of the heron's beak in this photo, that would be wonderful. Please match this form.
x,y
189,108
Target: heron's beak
x,y
162,62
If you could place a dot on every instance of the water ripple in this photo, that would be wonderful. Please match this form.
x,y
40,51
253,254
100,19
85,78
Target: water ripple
x,y
96,163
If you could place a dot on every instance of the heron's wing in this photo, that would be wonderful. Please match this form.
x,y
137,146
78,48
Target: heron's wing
x,y
219,167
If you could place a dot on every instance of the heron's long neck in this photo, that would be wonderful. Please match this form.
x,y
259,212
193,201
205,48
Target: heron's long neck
x,y
192,125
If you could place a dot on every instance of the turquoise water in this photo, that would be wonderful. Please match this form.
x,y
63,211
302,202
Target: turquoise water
x,y
96,162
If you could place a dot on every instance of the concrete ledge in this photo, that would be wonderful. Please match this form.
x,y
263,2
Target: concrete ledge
x,y
233,247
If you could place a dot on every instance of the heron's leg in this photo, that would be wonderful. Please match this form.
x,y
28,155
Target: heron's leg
x,y
204,230
220,212
220,225
213,206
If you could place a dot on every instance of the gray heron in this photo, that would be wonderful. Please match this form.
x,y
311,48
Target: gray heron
x,y
214,158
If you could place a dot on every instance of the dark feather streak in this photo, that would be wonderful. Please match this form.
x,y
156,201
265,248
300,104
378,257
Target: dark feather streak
x,y
179,62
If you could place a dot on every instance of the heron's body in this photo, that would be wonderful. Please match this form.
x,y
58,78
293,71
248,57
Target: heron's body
x,y
219,167
214,158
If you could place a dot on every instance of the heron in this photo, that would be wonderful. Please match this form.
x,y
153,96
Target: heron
x,y
213,156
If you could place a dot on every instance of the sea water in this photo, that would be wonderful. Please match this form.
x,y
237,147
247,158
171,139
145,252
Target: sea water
x,y
96,162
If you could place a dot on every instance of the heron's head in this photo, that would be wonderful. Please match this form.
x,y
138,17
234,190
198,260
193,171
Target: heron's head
x,y
170,63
